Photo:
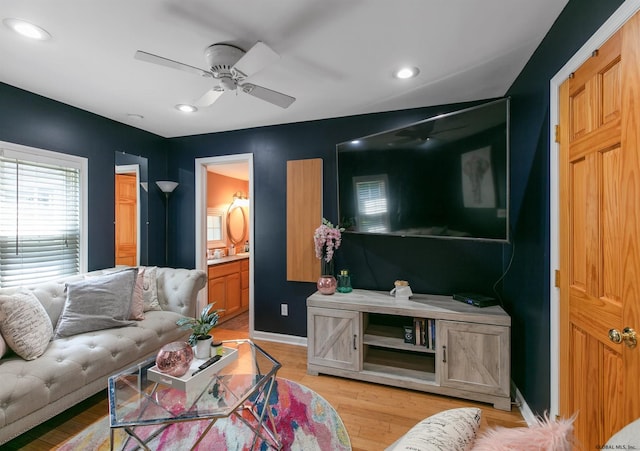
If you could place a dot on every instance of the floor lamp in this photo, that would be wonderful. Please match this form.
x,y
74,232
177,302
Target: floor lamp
x,y
167,188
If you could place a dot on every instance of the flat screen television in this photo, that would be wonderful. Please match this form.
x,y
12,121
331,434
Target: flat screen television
x,y
443,177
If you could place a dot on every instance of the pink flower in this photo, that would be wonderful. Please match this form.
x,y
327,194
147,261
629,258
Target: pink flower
x,y
327,239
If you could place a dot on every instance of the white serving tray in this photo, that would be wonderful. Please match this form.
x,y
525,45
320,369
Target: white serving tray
x,y
187,382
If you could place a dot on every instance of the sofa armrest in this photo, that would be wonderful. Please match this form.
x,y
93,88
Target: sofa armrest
x,y
178,289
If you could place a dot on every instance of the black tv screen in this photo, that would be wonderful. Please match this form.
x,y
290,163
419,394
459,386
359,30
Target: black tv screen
x,y
444,177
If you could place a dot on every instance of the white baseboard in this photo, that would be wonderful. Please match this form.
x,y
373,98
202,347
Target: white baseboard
x,y
525,410
279,338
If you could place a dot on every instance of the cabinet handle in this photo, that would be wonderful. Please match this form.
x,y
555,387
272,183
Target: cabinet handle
x,y
444,354
354,341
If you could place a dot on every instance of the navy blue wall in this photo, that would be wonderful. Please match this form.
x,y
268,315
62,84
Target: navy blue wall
x,y
435,266
431,265
36,121
526,285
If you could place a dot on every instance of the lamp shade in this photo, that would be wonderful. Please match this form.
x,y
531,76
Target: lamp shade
x,y
166,186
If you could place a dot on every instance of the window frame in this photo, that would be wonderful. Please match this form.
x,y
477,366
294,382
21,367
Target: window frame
x,y
37,155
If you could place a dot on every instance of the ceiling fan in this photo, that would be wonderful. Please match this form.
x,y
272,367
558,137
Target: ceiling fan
x,y
229,66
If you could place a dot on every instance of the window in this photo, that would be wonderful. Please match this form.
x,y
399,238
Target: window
x,y
371,198
42,215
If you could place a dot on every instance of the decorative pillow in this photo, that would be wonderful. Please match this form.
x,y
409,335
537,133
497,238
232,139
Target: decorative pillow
x,y
150,289
547,435
97,303
137,302
3,346
450,430
24,324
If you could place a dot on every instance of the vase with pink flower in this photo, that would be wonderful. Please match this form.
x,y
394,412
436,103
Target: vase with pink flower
x,y
327,239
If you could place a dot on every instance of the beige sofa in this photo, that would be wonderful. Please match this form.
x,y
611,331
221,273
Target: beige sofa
x,y
76,367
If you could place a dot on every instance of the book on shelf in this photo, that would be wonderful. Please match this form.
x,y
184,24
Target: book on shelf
x,y
423,333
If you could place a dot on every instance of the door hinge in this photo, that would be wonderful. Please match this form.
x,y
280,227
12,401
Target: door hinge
x,y
557,137
557,278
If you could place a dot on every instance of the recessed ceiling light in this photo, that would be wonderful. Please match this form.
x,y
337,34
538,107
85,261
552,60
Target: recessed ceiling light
x,y
355,141
135,117
27,29
186,108
406,72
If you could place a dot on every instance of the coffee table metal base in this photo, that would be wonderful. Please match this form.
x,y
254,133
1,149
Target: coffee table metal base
x,y
243,389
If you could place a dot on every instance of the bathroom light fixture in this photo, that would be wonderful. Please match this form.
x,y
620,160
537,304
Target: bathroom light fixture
x,y
186,108
240,199
27,29
406,72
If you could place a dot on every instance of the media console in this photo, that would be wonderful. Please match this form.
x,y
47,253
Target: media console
x,y
454,349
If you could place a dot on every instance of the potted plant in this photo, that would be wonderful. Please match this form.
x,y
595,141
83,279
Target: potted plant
x,y
201,326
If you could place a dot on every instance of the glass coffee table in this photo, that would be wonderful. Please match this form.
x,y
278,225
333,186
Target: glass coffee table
x,y
242,389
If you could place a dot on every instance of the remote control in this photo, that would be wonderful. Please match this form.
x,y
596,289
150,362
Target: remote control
x,y
207,364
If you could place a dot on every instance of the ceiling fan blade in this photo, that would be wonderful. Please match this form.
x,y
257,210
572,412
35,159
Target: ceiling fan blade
x,y
268,95
155,59
209,97
257,58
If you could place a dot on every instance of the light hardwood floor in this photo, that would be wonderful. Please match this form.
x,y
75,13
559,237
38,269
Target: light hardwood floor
x,y
374,415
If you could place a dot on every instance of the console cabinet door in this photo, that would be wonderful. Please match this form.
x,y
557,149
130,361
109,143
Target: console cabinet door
x,y
474,357
334,338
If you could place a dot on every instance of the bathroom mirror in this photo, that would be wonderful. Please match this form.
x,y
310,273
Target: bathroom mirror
x,y
216,228
131,209
236,224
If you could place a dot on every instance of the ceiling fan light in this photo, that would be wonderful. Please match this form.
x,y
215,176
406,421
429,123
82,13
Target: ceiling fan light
x,y
406,72
27,29
186,108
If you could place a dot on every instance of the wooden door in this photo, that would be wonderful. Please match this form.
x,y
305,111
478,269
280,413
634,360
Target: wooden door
x,y
217,294
244,279
126,220
233,293
600,238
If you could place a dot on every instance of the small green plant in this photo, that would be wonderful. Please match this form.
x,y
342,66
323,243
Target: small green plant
x,y
201,325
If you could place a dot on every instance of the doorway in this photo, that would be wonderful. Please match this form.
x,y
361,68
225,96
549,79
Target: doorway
x,y
127,215
218,230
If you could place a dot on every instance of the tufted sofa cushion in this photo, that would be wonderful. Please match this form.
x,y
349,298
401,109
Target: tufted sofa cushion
x,y
74,368
176,286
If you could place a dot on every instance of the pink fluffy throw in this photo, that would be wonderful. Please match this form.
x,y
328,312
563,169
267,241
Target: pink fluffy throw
x,y
545,435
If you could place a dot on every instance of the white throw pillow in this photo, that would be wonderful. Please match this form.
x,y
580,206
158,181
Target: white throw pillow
x,y
150,289
24,324
451,430
3,347
137,302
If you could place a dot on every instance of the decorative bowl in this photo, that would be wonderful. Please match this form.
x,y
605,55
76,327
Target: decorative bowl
x,y
174,358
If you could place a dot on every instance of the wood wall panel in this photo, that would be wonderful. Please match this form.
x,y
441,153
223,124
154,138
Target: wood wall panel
x,y
304,215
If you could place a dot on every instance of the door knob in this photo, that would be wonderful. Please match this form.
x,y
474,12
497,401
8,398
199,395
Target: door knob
x,y
628,335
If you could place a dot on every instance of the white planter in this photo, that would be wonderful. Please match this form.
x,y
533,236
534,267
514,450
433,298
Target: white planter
x,y
203,347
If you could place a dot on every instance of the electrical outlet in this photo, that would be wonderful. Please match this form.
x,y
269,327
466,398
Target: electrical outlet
x,y
284,309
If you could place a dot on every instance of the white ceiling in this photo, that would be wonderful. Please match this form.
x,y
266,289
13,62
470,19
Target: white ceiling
x,y
337,56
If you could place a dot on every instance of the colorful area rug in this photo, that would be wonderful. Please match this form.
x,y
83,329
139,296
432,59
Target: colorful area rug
x,y
304,420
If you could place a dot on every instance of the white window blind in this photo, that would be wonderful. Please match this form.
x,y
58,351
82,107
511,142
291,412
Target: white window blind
x,y
40,218
371,198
